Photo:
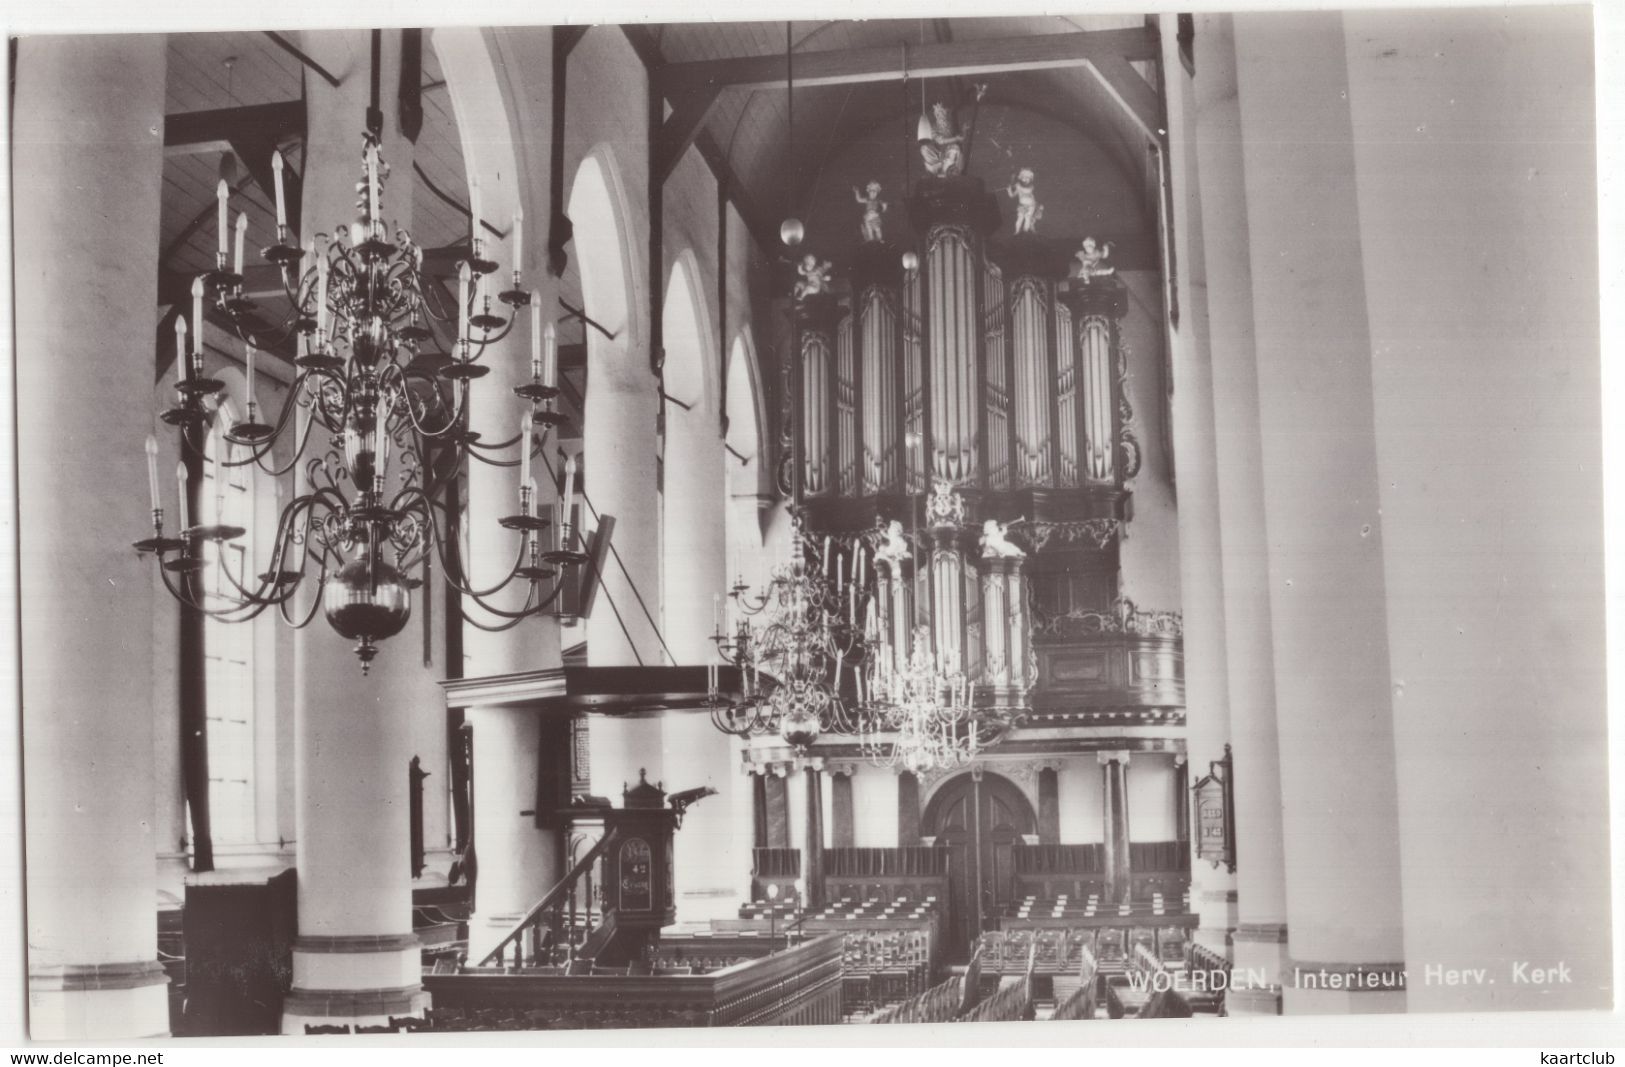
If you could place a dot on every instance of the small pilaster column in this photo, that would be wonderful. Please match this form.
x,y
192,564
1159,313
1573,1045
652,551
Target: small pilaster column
x,y
812,833
519,859
843,819
1004,629
1114,785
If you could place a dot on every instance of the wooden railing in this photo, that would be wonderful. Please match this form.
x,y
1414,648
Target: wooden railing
x,y
794,986
555,913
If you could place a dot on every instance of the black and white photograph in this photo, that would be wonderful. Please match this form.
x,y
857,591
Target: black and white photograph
x,y
735,520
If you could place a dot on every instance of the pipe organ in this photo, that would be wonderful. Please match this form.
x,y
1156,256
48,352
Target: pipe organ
x,y
988,368
987,385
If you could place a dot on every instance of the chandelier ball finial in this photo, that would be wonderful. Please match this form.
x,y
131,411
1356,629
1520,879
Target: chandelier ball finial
x,y
799,728
367,602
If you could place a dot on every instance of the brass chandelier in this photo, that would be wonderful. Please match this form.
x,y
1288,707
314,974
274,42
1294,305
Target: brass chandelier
x,y
377,425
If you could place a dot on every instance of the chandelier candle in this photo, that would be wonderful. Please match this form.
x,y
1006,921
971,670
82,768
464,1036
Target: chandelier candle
x,y
221,195
463,276
281,201
524,453
184,512
536,337
152,477
567,502
518,242
237,248
550,352
183,362
372,185
321,295
197,313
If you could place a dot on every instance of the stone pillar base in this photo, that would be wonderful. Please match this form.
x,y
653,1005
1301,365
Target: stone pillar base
x,y
1216,909
1242,1001
350,1007
358,980
98,1002
1258,961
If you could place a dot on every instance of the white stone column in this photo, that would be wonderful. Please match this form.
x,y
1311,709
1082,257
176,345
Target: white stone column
x,y
1488,437
1114,805
619,448
1261,932
1202,592
1327,589
356,959
518,861
708,854
88,163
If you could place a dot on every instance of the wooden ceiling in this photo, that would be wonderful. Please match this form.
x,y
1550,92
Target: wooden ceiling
x,y
745,126
749,121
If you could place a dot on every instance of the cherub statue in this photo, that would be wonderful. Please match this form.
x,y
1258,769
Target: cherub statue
x,y
893,547
995,545
873,206
941,142
814,276
1028,209
1089,259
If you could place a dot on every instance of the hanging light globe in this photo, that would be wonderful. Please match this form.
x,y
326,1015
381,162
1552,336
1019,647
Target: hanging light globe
x,y
367,603
791,231
911,262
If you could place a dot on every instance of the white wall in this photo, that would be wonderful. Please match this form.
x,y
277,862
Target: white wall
x,y
1081,801
1151,797
1149,551
874,808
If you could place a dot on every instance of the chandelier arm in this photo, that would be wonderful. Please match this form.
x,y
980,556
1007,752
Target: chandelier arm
x,y
514,617
419,427
183,594
315,604
452,574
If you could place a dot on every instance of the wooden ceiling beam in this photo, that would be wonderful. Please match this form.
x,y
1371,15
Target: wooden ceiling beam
x,y
1132,93
677,133
260,122
944,59
698,98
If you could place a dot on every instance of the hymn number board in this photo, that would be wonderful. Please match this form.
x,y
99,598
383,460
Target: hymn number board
x,y
637,874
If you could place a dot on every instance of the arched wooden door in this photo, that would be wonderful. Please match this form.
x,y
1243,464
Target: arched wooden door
x,y
979,822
